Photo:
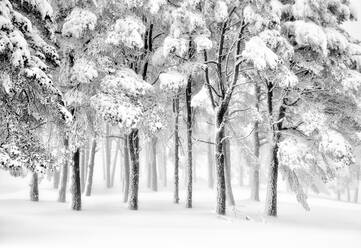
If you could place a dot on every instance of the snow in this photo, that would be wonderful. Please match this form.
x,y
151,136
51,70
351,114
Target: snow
x,y
106,222
155,5
220,11
172,81
202,43
335,40
128,31
43,6
310,35
177,45
78,22
126,80
259,54
84,71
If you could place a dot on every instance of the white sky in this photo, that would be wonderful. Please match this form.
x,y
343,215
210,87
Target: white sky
x,y
354,28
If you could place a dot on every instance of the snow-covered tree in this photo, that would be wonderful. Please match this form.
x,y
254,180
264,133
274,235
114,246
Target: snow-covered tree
x,y
29,97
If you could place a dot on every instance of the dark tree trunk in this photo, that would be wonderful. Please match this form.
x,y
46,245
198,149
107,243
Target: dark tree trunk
x,y
189,177
221,184
75,183
154,185
134,169
176,149
227,156
271,198
56,179
89,180
63,175
126,169
34,187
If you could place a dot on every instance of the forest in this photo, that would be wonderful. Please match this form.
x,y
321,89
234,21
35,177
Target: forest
x,y
184,100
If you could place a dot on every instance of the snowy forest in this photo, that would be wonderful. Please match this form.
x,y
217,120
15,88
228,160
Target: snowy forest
x,y
221,122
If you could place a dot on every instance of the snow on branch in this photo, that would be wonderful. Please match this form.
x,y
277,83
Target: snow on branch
x,y
128,31
260,55
78,22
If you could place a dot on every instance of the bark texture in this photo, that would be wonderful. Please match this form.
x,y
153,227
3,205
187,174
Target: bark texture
x,y
75,182
89,179
176,149
221,184
63,176
227,155
271,198
126,169
189,177
134,169
34,187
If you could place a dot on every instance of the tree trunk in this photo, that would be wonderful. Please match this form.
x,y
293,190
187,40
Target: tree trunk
x,y
348,194
271,198
228,178
56,179
257,145
189,177
34,187
107,155
148,164
89,179
255,167
87,152
164,163
126,169
75,183
210,155
355,199
63,175
154,185
82,169
134,169
176,149
221,184
115,161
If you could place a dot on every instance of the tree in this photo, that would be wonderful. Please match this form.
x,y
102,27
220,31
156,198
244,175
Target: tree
x,y
29,98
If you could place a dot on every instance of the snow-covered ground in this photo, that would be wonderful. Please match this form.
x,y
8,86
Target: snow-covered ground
x,y
106,222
